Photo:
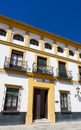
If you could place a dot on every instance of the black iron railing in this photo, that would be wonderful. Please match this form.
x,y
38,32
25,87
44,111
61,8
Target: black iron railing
x,y
64,74
15,64
42,69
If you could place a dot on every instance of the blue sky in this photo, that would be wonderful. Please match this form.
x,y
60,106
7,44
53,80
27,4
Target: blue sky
x,y
61,17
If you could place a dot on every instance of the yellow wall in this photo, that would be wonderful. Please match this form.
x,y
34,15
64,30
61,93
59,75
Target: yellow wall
x,y
41,85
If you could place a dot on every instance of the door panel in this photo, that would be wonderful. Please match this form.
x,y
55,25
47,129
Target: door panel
x,y
41,63
40,104
62,69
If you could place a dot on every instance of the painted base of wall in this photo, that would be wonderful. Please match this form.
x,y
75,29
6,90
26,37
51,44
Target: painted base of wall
x,y
67,116
12,118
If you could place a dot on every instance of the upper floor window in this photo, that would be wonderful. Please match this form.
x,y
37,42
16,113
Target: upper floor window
x,y
2,32
48,46
80,55
62,69
42,67
16,59
41,61
71,53
18,37
59,49
34,42
62,72
41,64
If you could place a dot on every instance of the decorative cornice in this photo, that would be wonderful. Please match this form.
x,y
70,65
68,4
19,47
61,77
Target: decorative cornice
x,y
13,85
39,52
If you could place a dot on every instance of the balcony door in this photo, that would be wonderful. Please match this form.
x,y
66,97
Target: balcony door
x,y
41,64
62,69
16,60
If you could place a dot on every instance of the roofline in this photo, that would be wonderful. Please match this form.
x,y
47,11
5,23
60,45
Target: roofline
x,y
12,22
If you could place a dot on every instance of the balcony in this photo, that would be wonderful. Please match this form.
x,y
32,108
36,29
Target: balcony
x,y
43,69
64,74
14,64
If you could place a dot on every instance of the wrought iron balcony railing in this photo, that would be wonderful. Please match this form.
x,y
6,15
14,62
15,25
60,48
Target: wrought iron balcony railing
x,y
43,69
64,74
15,64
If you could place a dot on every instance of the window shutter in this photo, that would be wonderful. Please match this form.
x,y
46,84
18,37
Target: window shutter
x,y
3,100
19,100
69,102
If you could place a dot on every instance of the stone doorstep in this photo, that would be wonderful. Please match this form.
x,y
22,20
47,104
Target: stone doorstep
x,y
41,121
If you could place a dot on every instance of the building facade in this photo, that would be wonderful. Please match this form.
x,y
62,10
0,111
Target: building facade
x,y
40,75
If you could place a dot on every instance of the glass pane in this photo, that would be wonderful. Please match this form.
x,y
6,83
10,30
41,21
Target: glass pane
x,y
8,100
13,93
41,61
12,90
34,42
64,101
14,101
60,49
62,69
48,46
18,37
62,66
14,59
71,53
61,101
2,32
19,63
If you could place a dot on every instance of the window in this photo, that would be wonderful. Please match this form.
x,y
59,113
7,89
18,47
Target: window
x,y
62,69
41,61
2,32
59,49
80,55
42,67
65,102
11,99
71,53
18,37
41,64
34,42
16,59
48,46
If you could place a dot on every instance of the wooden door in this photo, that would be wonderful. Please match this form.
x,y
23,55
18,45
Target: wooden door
x,y
40,104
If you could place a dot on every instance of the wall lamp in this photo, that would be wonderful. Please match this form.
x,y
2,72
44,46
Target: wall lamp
x,y
77,91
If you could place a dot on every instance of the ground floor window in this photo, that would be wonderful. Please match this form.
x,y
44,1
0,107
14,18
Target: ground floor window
x,y
11,99
65,102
